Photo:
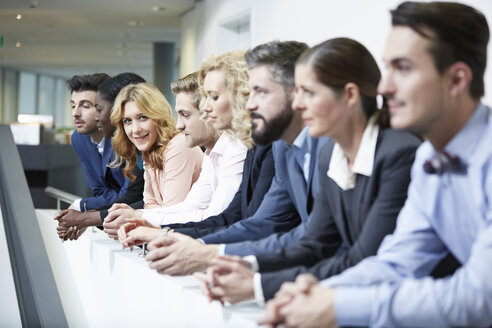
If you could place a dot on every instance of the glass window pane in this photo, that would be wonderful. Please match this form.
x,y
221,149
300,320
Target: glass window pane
x,y
1,97
46,96
10,96
63,114
27,93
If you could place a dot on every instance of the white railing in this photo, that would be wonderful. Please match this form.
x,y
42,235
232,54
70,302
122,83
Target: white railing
x,y
61,196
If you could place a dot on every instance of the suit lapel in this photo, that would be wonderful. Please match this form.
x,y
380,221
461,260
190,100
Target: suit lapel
x,y
313,175
363,194
299,185
247,168
106,156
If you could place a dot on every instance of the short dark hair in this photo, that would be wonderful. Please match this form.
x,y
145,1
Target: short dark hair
x,y
188,84
280,57
89,82
458,33
110,88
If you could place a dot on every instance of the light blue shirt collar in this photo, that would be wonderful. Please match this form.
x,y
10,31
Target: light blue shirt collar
x,y
302,151
463,144
302,141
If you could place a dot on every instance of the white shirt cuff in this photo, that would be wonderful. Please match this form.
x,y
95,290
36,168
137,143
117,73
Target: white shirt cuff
x,y
152,218
201,240
253,263
221,250
259,298
76,204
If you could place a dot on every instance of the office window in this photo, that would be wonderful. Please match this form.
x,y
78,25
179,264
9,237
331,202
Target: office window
x,y
63,114
46,95
10,80
1,95
27,93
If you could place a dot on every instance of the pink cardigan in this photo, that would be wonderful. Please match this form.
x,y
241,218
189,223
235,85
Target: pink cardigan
x,y
182,167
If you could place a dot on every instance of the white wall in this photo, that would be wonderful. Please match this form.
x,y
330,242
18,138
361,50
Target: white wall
x,y
310,21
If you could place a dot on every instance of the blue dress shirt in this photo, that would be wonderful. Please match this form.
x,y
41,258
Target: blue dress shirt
x,y
443,213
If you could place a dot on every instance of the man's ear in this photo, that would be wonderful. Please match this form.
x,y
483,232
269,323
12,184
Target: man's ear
x,y
460,75
292,94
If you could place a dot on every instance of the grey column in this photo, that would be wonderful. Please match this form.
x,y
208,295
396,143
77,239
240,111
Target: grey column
x,y
165,68
37,295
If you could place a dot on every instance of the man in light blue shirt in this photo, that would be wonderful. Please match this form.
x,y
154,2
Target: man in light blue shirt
x,y
436,56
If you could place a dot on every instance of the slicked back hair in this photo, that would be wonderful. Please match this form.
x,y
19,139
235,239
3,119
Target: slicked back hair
x,y
188,84
458,33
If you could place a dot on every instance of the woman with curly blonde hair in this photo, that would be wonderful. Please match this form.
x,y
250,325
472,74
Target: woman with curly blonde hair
x,y
146,128
224,87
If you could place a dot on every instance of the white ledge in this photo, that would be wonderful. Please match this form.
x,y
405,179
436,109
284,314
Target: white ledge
x,y
101,285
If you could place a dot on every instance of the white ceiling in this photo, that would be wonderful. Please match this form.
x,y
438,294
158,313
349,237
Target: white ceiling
x,y
66,37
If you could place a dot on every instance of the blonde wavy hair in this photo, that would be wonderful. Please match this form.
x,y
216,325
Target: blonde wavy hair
x,y
154,105
236,74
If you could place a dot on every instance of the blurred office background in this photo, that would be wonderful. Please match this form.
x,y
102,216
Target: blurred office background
x,y
45,42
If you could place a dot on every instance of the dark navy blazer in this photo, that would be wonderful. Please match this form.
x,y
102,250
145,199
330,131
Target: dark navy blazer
x,y
132,197
107,184
283,214
258,172
346,226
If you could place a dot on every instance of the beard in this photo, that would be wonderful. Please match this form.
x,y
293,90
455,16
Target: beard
x,y
273,129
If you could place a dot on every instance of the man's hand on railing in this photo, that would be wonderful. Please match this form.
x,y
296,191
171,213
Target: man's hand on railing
x,y
71,233
71,224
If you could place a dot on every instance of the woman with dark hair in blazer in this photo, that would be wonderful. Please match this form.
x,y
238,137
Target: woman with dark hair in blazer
x,y
364,174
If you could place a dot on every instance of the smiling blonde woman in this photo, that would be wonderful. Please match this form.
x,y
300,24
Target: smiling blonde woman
x,y
146,128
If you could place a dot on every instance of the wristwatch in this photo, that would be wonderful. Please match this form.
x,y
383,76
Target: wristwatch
x,y
165,230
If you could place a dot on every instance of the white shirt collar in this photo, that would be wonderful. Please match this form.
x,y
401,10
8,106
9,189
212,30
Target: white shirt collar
x,y
100,145
221,145
338,170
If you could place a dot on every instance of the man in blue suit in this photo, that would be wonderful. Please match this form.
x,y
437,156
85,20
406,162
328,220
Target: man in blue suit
x,y
94,151
282,216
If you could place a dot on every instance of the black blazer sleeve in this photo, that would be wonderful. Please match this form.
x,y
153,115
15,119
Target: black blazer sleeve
x,y
372,219
132,197
255,183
